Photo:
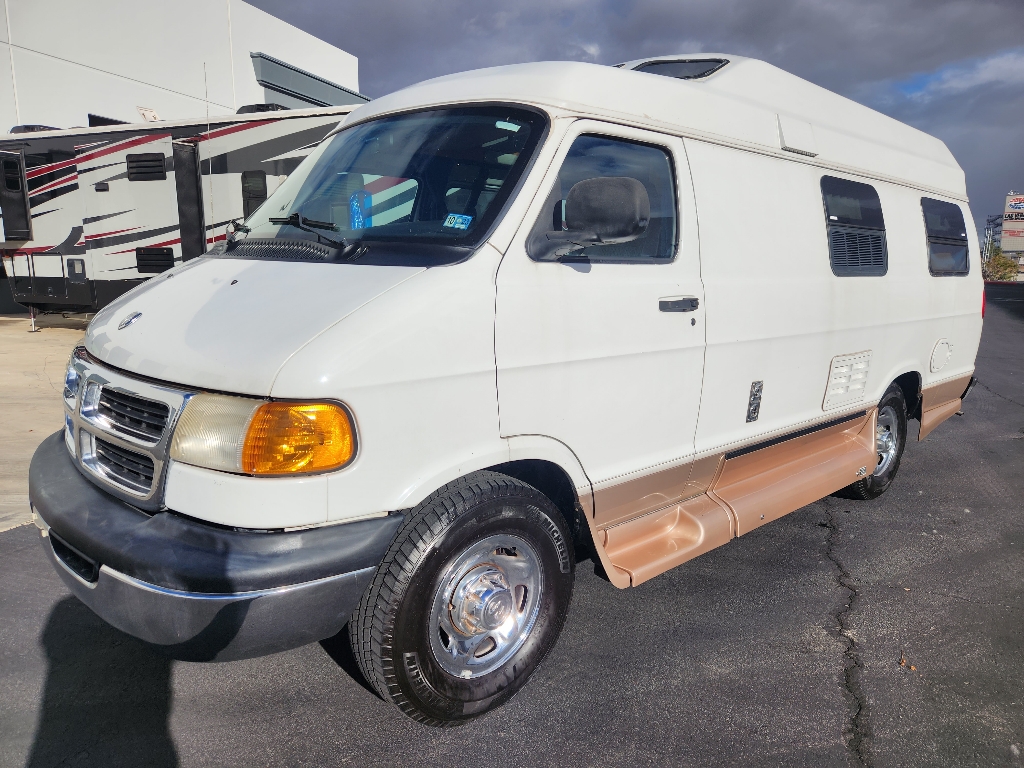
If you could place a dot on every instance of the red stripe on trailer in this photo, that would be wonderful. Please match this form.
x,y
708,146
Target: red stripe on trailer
x,y
384,182
108,150
27,251
105,234
150,245
233,129
71,178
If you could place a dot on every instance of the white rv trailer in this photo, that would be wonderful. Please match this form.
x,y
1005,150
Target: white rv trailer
x,y
90,213
521,308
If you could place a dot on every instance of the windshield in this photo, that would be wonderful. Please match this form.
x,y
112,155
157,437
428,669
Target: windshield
x,y
437,176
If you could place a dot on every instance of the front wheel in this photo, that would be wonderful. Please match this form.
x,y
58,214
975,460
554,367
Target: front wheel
x,y
890,440
468,600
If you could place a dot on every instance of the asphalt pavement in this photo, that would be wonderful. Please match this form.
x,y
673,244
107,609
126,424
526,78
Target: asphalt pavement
x,y
883,633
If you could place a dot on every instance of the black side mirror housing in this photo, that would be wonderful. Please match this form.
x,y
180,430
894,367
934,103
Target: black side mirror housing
x,y
602,211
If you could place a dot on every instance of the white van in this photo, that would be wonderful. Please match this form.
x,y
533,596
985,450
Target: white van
x,y
498,319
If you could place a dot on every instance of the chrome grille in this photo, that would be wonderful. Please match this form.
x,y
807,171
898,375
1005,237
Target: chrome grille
x,y
118,429
134,470
132,414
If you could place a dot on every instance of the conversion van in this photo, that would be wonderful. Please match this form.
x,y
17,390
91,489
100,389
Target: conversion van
x,y
89,213
494,320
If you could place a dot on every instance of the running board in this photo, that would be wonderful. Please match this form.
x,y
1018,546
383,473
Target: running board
x,y
750,489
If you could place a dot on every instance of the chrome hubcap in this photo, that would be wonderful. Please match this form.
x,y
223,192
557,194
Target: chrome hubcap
x,y
486,605
887,440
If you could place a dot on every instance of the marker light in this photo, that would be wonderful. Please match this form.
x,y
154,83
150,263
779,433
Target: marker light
x,y
288,438
239,434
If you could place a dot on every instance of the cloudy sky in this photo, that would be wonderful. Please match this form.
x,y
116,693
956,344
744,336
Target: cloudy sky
x,y
953,68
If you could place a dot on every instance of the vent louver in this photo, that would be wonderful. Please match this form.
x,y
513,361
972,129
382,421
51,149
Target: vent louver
x,y
148,166
153,261
857,252
280,249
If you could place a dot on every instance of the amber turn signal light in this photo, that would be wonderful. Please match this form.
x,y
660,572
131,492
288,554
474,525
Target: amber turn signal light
x,y
294,438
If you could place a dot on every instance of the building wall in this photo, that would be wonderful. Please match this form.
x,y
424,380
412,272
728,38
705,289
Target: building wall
x,y
108,57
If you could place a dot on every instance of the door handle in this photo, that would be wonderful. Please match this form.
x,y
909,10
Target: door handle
x,y
687,304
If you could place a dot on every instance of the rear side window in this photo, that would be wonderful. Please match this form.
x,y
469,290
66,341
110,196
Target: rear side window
x,y
595,156
856,228
947,238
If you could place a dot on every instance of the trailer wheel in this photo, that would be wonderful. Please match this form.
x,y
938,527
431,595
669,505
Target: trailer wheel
x,y
890,439
468,600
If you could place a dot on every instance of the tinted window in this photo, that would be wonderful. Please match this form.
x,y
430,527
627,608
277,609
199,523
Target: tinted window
x,y
856,228
596,156
684,70
947,237
851,203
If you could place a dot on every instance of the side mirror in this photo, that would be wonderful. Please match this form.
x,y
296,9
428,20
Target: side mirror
x,y
603,211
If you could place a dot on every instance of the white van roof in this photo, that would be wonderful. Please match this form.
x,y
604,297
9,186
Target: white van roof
x,y
747,103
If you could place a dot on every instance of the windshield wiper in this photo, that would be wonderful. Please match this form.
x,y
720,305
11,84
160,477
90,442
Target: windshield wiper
x,y
312,225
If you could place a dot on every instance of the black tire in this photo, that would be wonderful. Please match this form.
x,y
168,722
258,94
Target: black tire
x,y
390,631
892,409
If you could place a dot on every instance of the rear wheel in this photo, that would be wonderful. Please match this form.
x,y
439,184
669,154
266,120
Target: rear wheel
x,y
890,440
470,597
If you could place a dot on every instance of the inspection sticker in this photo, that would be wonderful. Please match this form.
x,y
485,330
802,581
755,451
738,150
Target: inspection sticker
x,y
457,221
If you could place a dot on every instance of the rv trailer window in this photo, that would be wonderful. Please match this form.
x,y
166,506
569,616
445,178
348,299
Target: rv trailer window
x,y
148,166
855,227
596,156
947,238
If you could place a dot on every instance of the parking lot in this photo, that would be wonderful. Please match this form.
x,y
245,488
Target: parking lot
x,y
884,633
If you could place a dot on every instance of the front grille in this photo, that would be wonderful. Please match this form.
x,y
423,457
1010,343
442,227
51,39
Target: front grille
x,y
131,469
134,415
857,252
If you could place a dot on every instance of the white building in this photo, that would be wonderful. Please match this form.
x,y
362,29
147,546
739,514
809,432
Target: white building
x,y
65,63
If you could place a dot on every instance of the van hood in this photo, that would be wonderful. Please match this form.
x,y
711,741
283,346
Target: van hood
x,y
230,324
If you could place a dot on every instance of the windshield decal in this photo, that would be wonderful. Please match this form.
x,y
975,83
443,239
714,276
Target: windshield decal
x,y
457,221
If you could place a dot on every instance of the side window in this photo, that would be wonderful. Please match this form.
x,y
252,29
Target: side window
x,y
254,191
856,229
592,157
947,238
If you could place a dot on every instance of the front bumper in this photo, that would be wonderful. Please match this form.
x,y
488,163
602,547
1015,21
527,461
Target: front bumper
x,y
194,591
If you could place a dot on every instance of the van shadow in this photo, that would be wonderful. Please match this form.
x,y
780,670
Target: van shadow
x,y
106,699
340,651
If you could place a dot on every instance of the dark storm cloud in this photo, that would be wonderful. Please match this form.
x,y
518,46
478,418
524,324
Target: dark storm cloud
x,y
953,68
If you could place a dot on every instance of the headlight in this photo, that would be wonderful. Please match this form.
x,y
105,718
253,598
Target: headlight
x,y
72,378
236,434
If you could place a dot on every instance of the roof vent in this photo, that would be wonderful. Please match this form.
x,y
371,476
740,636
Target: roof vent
x,y
249,109
683,69
32,128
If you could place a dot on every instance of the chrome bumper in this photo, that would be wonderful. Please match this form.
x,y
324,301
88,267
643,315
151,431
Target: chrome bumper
x,y
193,591
193,626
